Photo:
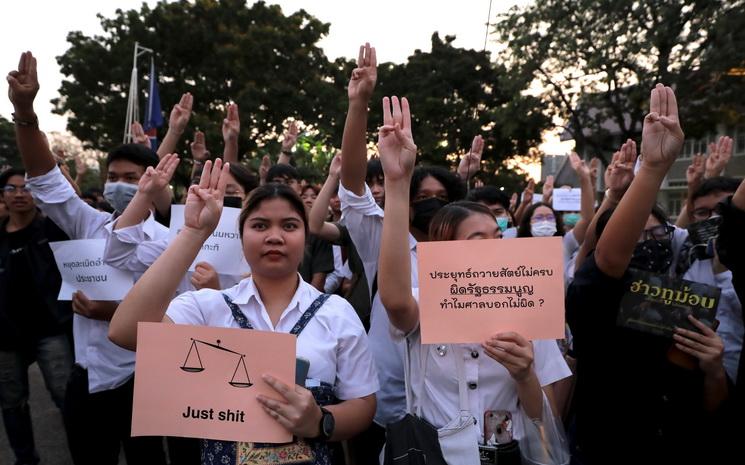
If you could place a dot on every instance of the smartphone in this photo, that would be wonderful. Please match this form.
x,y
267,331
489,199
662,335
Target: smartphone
x,y
302,366
497,427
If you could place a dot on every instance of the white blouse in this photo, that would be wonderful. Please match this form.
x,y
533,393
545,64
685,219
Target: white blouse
x,y
334,340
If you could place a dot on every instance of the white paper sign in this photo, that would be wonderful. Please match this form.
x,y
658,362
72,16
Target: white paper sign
x,y
81,266
568,200
224,249
537,198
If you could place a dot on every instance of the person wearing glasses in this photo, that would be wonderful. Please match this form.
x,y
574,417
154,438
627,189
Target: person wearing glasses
x,y
624,375
34,325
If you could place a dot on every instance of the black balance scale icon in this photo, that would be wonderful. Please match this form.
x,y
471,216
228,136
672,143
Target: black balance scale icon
x,y
193,363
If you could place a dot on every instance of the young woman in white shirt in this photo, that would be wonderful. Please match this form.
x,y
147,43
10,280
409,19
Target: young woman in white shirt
x,y
503,371
273,227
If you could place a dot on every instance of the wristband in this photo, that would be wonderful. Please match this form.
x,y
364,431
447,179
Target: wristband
x,y
25,122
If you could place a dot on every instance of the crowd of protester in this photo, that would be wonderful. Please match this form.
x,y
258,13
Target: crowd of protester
x,y
335,256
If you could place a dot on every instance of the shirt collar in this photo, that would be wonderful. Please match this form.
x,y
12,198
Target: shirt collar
x,y
247,290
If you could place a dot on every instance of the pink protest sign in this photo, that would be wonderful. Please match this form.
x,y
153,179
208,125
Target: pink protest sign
x,y
202,382
471,290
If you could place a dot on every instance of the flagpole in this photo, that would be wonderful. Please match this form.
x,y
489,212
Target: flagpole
x,y
132,101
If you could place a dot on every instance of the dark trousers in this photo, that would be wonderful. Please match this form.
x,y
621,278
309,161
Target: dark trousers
x,y
99,424
364,449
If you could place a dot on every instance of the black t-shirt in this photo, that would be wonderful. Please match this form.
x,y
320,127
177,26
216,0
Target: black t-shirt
x,y
26,309
358,294
318,257
632,404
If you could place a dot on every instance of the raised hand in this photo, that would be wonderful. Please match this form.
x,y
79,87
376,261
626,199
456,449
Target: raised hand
x,y
205,276
579,166
513,351
471,162
156,179
199,150
290,137
204,202
335,167
594,170
395,142
705,345
513,202
139,136
231,125
23,84
662,136
528,192
364,76
548,189
695,172
718,157
180,114
266,163
620,172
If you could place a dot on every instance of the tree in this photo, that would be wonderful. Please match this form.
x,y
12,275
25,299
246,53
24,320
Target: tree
x,y
596,60
220,51
456,94
9,156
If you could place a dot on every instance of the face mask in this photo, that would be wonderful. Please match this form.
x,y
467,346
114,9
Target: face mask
x,y
571,219
424,211
119,194
543,229
503,223
653,256
232,201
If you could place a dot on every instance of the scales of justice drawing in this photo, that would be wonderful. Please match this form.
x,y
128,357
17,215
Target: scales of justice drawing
x,y
193,363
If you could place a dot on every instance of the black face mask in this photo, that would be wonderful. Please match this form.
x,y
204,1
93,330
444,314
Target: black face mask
x,y
232,201
653,256
424,211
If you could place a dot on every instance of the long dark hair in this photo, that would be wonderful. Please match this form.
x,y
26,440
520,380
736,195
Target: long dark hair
x,y
524,229
448,218
271,191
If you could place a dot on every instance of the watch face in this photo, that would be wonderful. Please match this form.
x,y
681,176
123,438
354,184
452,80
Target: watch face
x,y
328,424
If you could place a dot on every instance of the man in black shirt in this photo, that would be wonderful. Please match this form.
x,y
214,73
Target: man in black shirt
x,y
34,326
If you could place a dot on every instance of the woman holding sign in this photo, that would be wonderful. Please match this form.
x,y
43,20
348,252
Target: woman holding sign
x,y
274,298
495,379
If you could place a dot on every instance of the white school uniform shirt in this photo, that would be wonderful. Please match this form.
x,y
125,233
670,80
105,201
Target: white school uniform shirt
x,y
341,271
109,366
364,220
729,311
490,385
130,249
334,340
571,249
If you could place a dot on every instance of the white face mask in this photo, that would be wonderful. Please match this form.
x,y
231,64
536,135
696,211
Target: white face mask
x,y
119,194
543,228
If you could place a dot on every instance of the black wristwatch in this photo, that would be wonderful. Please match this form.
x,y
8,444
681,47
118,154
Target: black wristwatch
x,y
326,427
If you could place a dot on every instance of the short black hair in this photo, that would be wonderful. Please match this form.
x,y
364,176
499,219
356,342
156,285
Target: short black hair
x,y
281,170
136,153
604,218
455,188
716,185
244,177
374,170
9,173
489,195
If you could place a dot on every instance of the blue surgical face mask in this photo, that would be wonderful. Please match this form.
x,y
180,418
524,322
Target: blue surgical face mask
x,y
119,194
503,223
571,219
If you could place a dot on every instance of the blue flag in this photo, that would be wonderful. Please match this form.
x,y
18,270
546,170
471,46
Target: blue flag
x,y
153,113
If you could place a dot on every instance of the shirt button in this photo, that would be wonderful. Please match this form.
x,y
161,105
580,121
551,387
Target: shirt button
x,y
472,385
475,354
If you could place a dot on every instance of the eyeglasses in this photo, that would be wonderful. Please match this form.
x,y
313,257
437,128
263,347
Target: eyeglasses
x,y
10,189
704,213
546,217
658,233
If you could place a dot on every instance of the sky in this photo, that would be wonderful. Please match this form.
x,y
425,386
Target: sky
x,y
395,27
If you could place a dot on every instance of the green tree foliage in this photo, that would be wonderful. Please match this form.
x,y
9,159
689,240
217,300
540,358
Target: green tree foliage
x,y
456,94
270,64
596,61
9,156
